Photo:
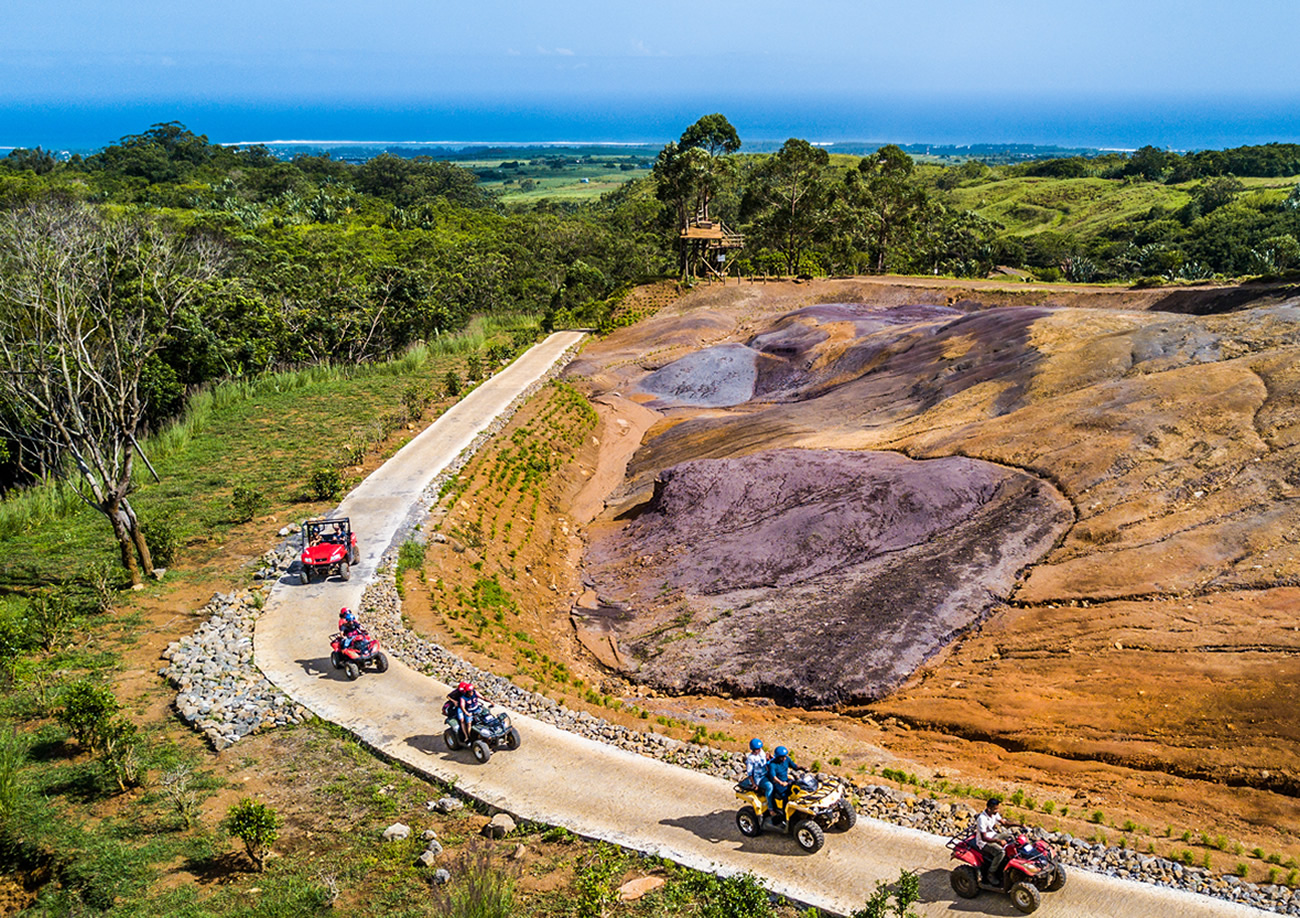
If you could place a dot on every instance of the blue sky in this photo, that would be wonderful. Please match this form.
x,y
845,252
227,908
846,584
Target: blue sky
x,y
146,55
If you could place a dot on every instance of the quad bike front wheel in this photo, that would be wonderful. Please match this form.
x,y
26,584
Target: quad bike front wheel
x,y
965,881
451,739
1025,897
749,823
848,817
512,738
482,752
809,836
1057,881
336,660
351,670
381,662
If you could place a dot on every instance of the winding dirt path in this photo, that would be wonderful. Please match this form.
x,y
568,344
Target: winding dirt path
x,y
592,789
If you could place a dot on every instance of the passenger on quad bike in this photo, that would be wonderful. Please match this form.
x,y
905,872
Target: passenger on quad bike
x,y
778,782
756,768
349,626
467,705
991,843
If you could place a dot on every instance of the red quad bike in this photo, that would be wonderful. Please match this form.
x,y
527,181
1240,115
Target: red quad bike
x,y
361,651
329,546
1029,870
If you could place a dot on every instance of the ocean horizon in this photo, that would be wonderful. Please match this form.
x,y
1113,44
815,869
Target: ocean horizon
x,y
1078,121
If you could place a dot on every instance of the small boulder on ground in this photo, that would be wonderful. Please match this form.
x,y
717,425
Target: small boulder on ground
x,y
397,832
500,826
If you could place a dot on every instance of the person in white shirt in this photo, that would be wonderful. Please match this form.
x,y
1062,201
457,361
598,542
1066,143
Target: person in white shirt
x,y
987,824
756,768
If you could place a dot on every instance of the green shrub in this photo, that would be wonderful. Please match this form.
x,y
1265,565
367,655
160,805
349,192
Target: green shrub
x,y
256,825
325,483
87,710
473,368
480,889
451,384
415,399
247,503
896,901
594,881
120,748
161,539
13,753
50,615
1241,870
1097,816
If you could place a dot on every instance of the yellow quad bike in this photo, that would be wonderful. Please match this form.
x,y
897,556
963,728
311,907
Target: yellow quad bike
x,y
814,806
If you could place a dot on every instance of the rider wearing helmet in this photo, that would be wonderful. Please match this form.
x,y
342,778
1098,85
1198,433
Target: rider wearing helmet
x,y
756,768
349,626
467,705
779,780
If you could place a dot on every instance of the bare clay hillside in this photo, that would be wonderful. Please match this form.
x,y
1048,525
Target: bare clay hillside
x,y
1079,506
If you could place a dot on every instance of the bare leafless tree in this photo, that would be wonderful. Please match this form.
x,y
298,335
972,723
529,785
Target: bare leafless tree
x,y
86,299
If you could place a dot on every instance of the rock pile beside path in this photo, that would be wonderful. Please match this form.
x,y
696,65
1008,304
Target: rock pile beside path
x,y
219,690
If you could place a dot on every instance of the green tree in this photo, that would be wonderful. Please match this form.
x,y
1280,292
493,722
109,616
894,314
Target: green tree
x,y
256,825
1149,163
786,198
86,301
880,205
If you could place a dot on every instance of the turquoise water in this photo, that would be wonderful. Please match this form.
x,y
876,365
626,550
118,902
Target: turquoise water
x,y
1077,121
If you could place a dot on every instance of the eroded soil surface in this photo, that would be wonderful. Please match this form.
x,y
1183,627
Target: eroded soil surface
x,y
792,573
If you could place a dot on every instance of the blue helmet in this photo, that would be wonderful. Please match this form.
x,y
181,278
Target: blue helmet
x,y
780,752
756,744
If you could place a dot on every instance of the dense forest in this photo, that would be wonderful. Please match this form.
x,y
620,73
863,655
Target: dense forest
x,y
311,259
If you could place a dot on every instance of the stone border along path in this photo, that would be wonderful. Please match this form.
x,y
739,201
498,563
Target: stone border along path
x,y
223,694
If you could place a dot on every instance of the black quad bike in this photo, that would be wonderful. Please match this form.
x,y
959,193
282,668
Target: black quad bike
x,y
488,731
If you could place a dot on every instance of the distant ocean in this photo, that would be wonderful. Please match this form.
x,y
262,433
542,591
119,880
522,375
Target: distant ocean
x,y
1075,121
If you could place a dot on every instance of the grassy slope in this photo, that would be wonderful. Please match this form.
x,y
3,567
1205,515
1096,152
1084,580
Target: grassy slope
x,y
1085,206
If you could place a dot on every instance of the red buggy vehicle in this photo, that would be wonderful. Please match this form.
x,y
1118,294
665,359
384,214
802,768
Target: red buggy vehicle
x,y
329,546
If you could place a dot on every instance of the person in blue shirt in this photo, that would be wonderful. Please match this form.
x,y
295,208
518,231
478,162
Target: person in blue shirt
x,y
779,781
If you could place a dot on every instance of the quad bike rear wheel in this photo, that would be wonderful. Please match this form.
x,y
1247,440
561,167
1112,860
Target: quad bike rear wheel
x,y
1057,881
351,670
809,835
451,739
336,660
483,752
512,738
749,823
381,662
1025,897
965,881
